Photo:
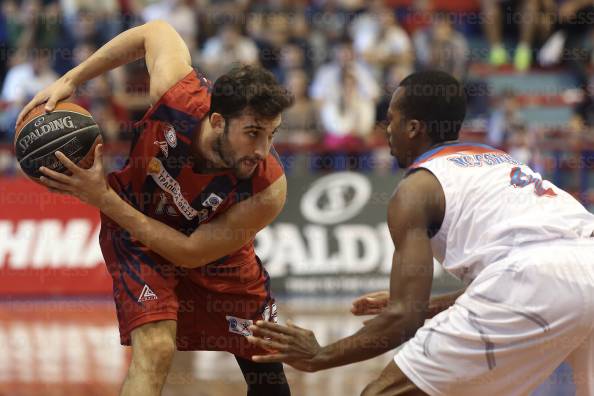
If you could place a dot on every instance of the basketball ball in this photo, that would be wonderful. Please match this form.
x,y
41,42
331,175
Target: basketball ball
x,y
68,128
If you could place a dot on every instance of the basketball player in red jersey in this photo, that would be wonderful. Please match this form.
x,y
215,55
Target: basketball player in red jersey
x,y
179,220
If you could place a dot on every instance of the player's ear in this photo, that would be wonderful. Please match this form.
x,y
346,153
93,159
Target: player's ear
x,y
217,121
413,128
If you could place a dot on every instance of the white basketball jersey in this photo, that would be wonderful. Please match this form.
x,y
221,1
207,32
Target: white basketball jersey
x,y
494,206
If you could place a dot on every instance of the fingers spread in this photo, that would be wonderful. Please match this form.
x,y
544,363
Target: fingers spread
x,y
276,327
55,185
274,358
260,332
267,344
38,99
60,177
98,159
71,166
51,103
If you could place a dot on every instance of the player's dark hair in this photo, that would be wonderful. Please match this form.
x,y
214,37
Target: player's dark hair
x,y
437,99
249,87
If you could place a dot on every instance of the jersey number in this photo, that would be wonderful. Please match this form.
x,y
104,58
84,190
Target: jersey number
x,y
520,179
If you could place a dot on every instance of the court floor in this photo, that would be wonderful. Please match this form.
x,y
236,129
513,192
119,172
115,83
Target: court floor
x,y
71,347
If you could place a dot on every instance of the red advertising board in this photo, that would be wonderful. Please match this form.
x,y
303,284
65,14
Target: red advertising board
x,y
48,243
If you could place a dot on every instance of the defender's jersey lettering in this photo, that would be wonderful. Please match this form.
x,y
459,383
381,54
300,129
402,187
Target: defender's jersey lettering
x,y
466,161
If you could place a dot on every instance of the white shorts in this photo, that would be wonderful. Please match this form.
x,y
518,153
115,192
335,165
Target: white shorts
x,y
518,320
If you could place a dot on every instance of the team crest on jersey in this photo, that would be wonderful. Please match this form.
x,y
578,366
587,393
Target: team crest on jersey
x,y
213,201
239,326
170,136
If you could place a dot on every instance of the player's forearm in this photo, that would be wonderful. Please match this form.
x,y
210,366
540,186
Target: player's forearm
x,y
124,48
383,333
158,237
443,302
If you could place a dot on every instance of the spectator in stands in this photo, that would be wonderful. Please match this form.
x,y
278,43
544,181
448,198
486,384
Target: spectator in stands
x,y
300,124
575,32
228,47
328,78
180,14
347,116
292,56
23,81
329,21
504,121
532,18
519,145
214,13
441,47
379,40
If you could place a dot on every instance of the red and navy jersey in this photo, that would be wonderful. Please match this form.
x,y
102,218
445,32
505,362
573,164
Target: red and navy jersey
x,y
160,179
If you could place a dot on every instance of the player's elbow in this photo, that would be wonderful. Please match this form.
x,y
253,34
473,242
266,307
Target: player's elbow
x,y
401,324
190,256
158,27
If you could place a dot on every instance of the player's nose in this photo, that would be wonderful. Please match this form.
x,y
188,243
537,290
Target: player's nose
x,y
261,150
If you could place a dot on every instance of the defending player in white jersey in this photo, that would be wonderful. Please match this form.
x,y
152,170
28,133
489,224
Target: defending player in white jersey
x,y
524,247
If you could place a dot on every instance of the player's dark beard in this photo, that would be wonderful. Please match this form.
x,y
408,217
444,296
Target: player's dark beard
x,y
222,149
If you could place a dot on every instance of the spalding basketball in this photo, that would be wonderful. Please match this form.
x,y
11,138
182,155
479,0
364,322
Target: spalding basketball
x,y
68,128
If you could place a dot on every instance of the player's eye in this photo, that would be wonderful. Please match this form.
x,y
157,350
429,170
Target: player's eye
x,y
253,134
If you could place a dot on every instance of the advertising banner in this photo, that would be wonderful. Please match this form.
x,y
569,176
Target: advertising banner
x,y
48,243
332,236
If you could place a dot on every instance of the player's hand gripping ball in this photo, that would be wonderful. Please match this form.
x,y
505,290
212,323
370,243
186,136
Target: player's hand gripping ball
x,y
69,129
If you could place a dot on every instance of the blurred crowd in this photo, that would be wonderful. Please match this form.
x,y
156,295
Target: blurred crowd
x,y
341,59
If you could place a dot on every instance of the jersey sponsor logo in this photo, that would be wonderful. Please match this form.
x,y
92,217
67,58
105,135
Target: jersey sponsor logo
x,y
163,146
170,136
170,185
147,294
336,198
212,201
165,207
239,326
41,130
521,179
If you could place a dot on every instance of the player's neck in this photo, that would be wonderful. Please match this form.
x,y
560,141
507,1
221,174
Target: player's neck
x,y
431,146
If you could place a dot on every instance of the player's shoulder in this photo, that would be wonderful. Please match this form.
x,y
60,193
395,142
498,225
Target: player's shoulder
x,y
190,94
419,190
418,182
184,104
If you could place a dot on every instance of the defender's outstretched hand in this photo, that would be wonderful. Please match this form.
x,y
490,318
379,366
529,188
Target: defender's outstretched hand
x,y
371,303
88,185
289,344
61,89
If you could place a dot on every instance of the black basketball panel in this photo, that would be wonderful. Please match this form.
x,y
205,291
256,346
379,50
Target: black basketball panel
x,y
74,145
48,127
